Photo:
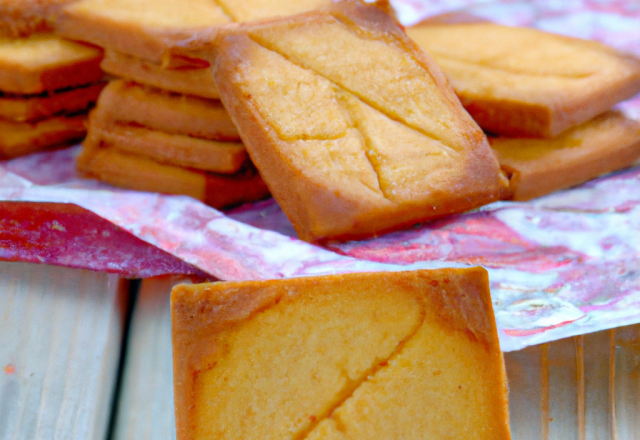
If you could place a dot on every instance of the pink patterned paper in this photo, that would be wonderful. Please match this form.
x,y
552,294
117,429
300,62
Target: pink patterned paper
x,y
561,265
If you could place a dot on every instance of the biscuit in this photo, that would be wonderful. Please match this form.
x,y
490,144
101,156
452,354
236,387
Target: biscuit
x,y
172,149
20,138
143,174
142,28
393,355
126,101
35,107
195,81
146,29
524,82
46,62
537,167
352,126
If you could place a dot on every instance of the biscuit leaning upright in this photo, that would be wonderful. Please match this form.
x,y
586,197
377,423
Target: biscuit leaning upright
x,y
387,355
354,129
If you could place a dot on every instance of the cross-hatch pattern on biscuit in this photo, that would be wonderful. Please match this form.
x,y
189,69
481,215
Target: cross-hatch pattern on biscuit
x,y
371,72
357,127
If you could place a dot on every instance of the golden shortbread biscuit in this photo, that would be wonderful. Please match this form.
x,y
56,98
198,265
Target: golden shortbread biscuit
x,y
536,167
525,82
34,107
138,27
146,28
20,138
355,130
172,149
143,174
126,101
189,80
45,62
394,355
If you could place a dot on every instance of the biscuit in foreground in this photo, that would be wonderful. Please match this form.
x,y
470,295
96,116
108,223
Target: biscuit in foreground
x,y
354,129
524,82
397,355
537,167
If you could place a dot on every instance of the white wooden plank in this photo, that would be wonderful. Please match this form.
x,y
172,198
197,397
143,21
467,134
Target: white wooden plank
x,y
626,345
60,335
599,409
145,409
586,387
528,392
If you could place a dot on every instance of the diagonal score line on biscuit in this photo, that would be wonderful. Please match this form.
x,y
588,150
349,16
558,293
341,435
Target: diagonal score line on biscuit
x,y
225,10
372,152
363,99
355,385
512,71
353,120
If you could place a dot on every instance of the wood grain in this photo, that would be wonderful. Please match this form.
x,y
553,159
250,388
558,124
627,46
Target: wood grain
x,y
145,407
60,336
585,388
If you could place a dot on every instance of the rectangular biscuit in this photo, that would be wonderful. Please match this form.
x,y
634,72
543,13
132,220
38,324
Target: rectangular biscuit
x,y
46,62
126,101
192,80
34,107
143,174
537,167
20,138
368,356
524,82
172,149
347,149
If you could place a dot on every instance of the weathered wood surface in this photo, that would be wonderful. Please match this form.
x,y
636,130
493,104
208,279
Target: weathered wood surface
x,y
60,331
585,388
145,407
60,337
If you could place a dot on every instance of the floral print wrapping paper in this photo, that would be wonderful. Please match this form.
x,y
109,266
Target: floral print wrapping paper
x,y
561,265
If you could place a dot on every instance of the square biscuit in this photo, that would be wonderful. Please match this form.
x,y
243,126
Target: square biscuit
x,y
20,138
171,149
126,101
393,355
355,130
190,80
147,28
537,167
45,62
36,107
139,173
523,82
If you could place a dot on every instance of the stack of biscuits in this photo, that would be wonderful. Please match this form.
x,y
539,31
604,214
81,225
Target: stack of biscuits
x,y
546,108
47,83
161,126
